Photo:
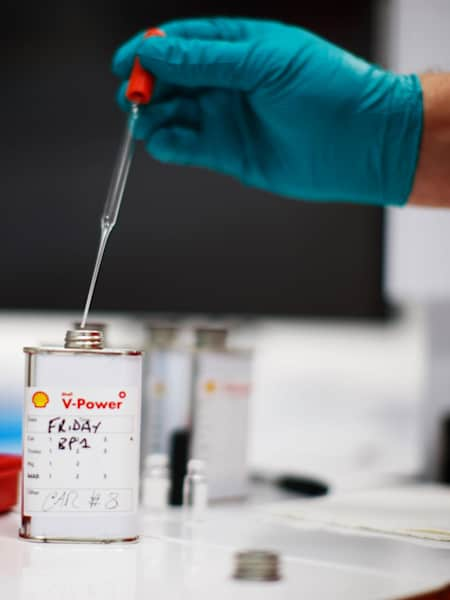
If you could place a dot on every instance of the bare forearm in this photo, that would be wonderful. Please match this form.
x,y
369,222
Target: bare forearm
x,y
432,180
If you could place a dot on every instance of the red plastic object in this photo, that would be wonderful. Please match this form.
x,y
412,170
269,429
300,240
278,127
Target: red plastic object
x,y
10,466
141,83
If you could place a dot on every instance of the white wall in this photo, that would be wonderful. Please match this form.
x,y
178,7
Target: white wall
x,y
415,37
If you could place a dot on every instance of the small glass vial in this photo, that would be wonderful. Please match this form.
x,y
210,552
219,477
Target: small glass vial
x,y
155,482
81,432
195,490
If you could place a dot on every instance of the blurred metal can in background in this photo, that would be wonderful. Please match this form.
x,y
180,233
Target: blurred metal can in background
x,y
220,411
195,404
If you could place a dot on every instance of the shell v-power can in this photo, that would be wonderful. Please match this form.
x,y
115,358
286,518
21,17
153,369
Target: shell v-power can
x,y
81,429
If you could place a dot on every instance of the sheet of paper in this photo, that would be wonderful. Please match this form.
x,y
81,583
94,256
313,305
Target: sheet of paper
x,y
420,511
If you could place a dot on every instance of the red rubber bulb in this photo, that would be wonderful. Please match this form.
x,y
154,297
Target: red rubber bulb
x,y
141,83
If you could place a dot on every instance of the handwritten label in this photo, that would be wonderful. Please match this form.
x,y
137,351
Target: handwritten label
x,y
81,450
79,499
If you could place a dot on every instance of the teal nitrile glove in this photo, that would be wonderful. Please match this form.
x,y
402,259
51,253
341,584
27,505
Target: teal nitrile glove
x,y
279,109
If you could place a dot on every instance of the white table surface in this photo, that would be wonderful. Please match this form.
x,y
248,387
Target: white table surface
x,y
175,560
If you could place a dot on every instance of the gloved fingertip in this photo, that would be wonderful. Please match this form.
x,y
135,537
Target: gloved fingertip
x,y
140,131
173,145
159,146
121,97
196,62
157,49
121,64
123,58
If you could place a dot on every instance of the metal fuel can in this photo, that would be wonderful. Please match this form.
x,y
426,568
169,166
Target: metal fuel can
x,y
221,388
81,439
166,389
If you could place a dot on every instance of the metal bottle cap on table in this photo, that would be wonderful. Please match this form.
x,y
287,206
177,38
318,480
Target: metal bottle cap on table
x,y
257,565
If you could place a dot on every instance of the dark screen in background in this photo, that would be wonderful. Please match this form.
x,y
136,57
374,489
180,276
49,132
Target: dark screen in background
x,y
187,240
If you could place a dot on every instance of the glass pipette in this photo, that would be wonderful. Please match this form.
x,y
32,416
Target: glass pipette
x,y
113,200
139,91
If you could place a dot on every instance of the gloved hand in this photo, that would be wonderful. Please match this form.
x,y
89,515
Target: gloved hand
x,y
278,108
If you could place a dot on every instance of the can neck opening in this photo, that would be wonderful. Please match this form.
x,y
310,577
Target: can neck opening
x,y
163,336
86,339
211,338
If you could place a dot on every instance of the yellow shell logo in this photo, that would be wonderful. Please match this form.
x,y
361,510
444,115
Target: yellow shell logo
x,y
210,386
159,388
40,399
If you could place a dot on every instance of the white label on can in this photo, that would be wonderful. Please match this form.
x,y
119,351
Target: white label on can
x,y
81,449
220,430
